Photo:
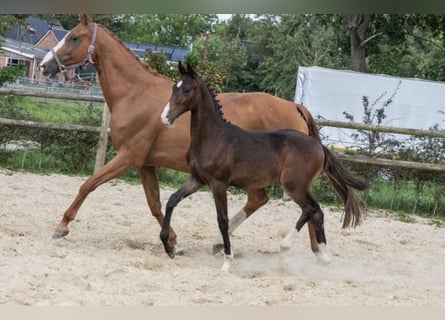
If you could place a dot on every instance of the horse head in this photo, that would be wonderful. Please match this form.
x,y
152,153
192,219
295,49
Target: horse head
x,y
74,50
184,97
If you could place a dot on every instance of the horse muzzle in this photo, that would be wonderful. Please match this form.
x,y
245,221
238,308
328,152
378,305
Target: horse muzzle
x,y
49,68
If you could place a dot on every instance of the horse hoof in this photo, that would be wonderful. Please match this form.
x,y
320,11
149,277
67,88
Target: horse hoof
x,y
217,248
59,234
171,254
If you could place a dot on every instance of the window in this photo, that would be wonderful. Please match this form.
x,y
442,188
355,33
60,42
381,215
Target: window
x,y
15,62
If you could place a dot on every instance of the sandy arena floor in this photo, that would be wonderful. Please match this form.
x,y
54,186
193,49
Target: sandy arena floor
x,y
113,255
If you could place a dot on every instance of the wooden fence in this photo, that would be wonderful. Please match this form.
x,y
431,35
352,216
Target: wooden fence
x,y
103,131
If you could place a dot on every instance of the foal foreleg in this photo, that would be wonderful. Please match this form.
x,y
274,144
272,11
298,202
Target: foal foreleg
x,y
117,166
190,186
219,191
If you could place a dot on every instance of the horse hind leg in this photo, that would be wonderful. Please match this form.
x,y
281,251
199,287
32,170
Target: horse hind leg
x,y
255,200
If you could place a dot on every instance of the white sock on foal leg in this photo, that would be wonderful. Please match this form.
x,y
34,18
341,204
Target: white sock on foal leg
x,y
226,264
322,254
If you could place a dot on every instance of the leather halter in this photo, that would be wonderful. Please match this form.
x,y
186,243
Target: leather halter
x,y
88,59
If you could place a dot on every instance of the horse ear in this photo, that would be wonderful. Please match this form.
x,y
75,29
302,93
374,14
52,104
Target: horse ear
x,y
190,70
181,68
84,18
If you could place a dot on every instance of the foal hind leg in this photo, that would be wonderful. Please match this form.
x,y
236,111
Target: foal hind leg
x,y
151,188
287,241
255,200
112,169
318,247
314,217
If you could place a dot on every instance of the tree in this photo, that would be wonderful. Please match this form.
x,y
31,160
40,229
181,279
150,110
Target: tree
x,y
386,42
358,26
298,40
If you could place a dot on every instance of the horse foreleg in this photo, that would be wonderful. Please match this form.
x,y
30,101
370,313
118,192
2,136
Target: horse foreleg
x,y
115,167
190,186
255,200
152,193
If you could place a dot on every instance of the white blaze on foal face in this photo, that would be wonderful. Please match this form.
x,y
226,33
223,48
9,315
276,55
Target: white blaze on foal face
x,y
165,113
166,109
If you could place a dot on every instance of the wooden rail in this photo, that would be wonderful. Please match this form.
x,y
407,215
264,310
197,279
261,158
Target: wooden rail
x,y
367,127
51,95
46,125
392,163
320,122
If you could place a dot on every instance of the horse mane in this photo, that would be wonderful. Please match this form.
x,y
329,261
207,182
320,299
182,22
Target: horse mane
x,y
215,101
145,65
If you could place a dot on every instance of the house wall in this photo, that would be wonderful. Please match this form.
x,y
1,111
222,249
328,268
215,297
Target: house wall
x,y
5,56
48,41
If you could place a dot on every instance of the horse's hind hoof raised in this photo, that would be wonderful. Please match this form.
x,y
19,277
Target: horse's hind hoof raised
x,y
59,234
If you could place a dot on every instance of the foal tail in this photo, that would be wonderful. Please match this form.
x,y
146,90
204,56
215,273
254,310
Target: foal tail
x,y
344,181
310,122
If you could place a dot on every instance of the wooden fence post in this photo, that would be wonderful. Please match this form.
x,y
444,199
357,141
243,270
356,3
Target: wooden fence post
x,y
103,139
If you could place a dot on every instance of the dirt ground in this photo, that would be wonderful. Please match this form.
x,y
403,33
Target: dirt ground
x,y
113,255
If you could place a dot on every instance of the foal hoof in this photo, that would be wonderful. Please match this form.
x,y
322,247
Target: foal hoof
x,y
322,255
322,258
60,234
218,247
285,246
171,254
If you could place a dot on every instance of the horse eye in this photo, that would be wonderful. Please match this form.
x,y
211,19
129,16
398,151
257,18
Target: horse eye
x,y
74,38
186,91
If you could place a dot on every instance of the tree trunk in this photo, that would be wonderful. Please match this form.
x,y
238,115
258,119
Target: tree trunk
x,y
358,24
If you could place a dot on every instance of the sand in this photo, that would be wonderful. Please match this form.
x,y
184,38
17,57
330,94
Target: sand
x,y
113,255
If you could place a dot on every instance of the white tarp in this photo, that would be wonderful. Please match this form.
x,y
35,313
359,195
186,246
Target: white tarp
x,y
417,104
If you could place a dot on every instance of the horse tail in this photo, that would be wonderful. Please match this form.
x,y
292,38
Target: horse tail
x,y
310,122
344,181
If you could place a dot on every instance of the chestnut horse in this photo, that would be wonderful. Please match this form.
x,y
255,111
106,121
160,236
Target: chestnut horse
x,y
222,154
135,96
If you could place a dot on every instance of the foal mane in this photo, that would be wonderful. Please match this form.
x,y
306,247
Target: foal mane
x,y
215,101
145,65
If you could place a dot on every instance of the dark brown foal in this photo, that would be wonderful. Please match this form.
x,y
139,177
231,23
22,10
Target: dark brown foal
x,y
222,154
